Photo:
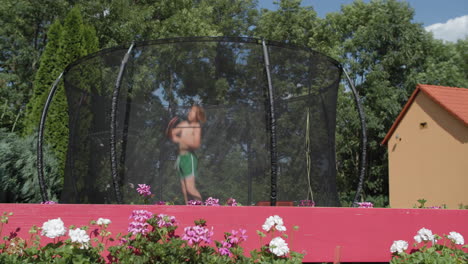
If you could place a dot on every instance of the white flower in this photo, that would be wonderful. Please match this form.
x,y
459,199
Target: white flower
x,y
399,246
103,221
53,228
79,236
457,238
267,225
417,238
278,246
278,220
280,228
274,221
424,235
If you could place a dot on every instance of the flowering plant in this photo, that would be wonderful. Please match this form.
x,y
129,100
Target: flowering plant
x,y
103,222
273,223
53,228
231,202
78,247
422,205
212,201
428,250
49,202
277,249
365,205
151,238
306,203
230,247
144,191
159,244
194,202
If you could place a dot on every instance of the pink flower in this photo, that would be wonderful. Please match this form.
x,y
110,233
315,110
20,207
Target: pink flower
x,y
160,203
166,220
225,249
122,241
49,202
231,202
144,189
139,225
212,202
197,234
237,237
307,203
227,244
366,205
138,228
140,215
232,240
194,202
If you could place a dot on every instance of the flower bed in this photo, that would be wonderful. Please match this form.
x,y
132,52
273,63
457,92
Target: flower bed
x,y
325,234
151,238
431,248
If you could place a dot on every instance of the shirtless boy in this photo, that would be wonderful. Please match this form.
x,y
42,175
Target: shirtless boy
x,y
187,134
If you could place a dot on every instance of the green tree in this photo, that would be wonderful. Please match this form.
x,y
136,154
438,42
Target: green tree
x,y
231,18
386,55
291,23
23,29
77,40
445,64
123,21
461,46
49,69
378,44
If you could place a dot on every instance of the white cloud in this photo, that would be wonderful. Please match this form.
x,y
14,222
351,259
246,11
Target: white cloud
x,y
452,30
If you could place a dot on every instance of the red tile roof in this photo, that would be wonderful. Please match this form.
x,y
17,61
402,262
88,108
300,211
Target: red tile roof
x,y
453,99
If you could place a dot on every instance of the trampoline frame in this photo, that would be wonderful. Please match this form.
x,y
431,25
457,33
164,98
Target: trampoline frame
x,y
270,110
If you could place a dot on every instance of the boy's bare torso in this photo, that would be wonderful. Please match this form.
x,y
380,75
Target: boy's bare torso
x,y
187,133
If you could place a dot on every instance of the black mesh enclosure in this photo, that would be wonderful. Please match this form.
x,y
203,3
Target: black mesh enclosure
x,y
227,78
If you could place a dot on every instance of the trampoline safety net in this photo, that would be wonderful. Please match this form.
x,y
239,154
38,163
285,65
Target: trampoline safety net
x,y
227,78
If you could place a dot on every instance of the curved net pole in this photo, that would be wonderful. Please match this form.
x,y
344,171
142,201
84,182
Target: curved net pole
x,y
308,161
113,127
362,118
273,151
40,138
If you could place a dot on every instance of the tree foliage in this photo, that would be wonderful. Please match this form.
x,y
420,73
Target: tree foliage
x,y
387,55
23,27
50,66
124,21
66,44
445,64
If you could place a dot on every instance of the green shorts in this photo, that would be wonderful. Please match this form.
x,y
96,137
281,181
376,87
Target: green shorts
x,y
187,165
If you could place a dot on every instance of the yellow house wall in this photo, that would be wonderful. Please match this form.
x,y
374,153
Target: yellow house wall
x,y
428,162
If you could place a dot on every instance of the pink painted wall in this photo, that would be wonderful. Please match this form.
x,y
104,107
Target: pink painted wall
x,y
363,234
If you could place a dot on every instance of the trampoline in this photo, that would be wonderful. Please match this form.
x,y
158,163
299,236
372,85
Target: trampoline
x,y
269,133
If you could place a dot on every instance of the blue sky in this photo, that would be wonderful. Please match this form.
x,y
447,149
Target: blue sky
x,y
447,19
